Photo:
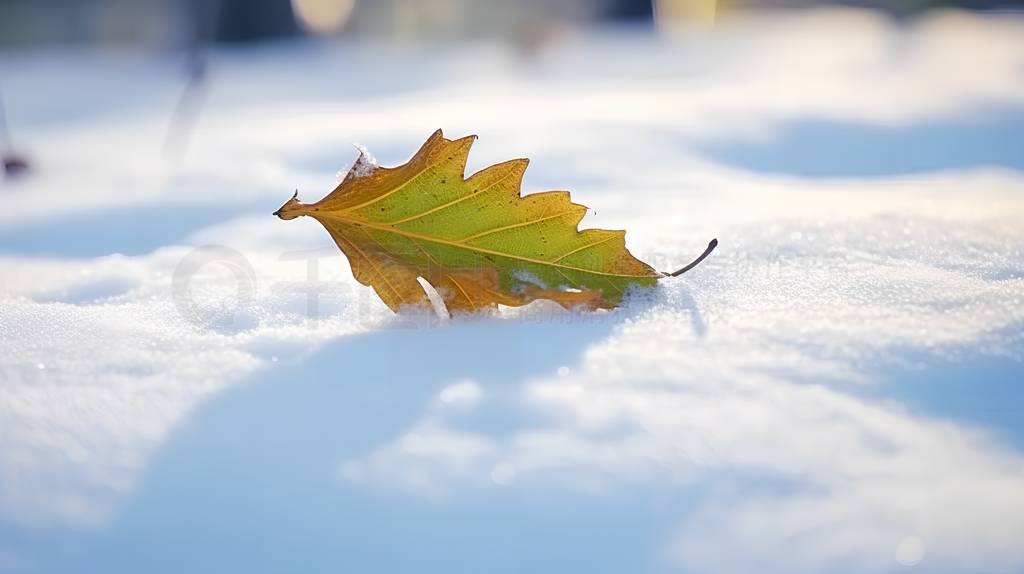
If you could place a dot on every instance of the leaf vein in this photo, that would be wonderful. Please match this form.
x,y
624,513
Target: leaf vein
x,y
450,203
513,226
589,245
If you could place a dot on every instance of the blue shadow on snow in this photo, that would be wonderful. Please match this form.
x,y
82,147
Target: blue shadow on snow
x,y
128,230
251,484
831,149
986,393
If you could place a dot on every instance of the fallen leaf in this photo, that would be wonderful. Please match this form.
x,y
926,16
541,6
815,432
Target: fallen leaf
x,y
476,240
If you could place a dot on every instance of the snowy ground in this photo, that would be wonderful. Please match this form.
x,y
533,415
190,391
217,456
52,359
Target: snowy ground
x,y
838,388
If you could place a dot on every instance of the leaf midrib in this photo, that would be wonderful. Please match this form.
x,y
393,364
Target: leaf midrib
x,y
413,235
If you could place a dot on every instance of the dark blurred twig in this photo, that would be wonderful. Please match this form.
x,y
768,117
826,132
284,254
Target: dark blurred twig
x,y
185,113
13,163
203,16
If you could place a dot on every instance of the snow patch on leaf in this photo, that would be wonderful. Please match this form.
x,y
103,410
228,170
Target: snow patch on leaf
x,y
340,176
365,164
528,277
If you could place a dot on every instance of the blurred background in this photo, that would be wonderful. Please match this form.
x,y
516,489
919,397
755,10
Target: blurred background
x,y
174,24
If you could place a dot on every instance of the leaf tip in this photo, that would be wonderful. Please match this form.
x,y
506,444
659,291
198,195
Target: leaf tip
x,y
290,208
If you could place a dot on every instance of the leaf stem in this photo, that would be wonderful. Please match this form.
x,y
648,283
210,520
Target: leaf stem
x,y
711,247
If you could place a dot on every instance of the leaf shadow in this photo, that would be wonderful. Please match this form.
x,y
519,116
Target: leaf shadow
x,y
686,301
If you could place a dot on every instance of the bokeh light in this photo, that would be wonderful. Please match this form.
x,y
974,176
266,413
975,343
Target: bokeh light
x,y
322,17
910,551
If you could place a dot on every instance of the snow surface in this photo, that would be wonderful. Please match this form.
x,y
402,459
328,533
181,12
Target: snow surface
x,y
837,388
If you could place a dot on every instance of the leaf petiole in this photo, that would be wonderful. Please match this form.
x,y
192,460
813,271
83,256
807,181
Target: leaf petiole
x,y
711,247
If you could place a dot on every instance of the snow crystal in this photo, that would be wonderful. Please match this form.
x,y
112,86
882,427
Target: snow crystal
x,y
363,166
340,176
